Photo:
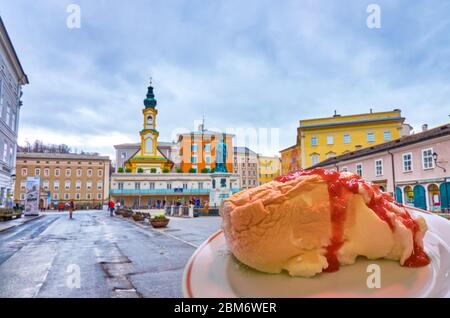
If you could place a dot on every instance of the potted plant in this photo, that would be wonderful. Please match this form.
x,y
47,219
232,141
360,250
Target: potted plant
x,y
137,217
159,221
126,213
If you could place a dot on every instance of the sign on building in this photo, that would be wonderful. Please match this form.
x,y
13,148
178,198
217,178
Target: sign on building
x,y
32,196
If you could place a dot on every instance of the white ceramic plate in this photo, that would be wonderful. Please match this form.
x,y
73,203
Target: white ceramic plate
x,y
212,271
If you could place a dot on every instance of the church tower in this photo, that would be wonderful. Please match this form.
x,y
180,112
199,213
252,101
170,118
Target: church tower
x,y
149,159
149,134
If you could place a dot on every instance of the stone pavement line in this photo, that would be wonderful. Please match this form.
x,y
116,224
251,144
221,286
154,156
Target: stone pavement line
x,y
6,227
160,231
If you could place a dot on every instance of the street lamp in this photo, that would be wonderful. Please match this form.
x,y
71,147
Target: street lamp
x,y
435,158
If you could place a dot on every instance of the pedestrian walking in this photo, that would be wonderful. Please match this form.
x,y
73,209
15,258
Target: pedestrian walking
x,y
111,207
71,208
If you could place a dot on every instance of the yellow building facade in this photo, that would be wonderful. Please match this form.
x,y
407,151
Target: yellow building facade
x,y
268,168
323,138
148,159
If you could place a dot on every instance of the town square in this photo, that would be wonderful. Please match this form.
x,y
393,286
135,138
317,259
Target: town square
x,y
224,150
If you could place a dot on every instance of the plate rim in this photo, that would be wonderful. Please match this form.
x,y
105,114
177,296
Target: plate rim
x,y
187,283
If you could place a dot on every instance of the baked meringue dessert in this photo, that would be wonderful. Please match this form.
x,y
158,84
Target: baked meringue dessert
x,y
313,221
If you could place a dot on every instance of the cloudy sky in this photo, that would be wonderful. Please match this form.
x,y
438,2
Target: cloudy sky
x,y
250,64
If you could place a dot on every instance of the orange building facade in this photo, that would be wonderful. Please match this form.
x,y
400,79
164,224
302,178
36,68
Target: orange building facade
x,y
290,159
198,150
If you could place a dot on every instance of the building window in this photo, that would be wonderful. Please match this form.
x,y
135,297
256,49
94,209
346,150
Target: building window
x,y
427,158
123,155
89,185
330,140
379,167
67,185
24,171
99,185
185,186
23,185
57,172
68,172
66,196
99,196
344,169
207,147
169,186
359,171
56,185
37,172
223,183
22,196
407,162
78,185
78,172
46,172
55,196
45,185
200,185
314,159
387,136
313,141
88,196
347,139
194,148
194,159
100,173
370,137
151,185
208,160
120,185
137,186
89,172
78,196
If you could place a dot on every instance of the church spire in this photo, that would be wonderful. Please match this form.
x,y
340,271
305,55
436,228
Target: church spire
x,y
150,101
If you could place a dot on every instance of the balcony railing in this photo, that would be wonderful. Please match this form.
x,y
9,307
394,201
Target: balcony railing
x,y
163,191
159,191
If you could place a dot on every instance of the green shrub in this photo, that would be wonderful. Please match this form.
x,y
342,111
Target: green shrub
x,y
140,170
165,170
153,170
179,170
128,170
192,170
205,170
120,170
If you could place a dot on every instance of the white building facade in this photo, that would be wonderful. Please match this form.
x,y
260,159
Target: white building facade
x,y
158,190
12,78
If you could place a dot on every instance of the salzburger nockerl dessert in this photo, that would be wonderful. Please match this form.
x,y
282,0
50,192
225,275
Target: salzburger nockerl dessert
x,y
313,221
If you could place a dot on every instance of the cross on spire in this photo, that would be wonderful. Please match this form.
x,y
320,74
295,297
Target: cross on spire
x,y
151,81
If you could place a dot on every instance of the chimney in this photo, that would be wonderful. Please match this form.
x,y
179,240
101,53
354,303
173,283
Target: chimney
x,y
424,127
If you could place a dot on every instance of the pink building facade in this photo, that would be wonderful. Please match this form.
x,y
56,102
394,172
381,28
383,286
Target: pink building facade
x,y
414,169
